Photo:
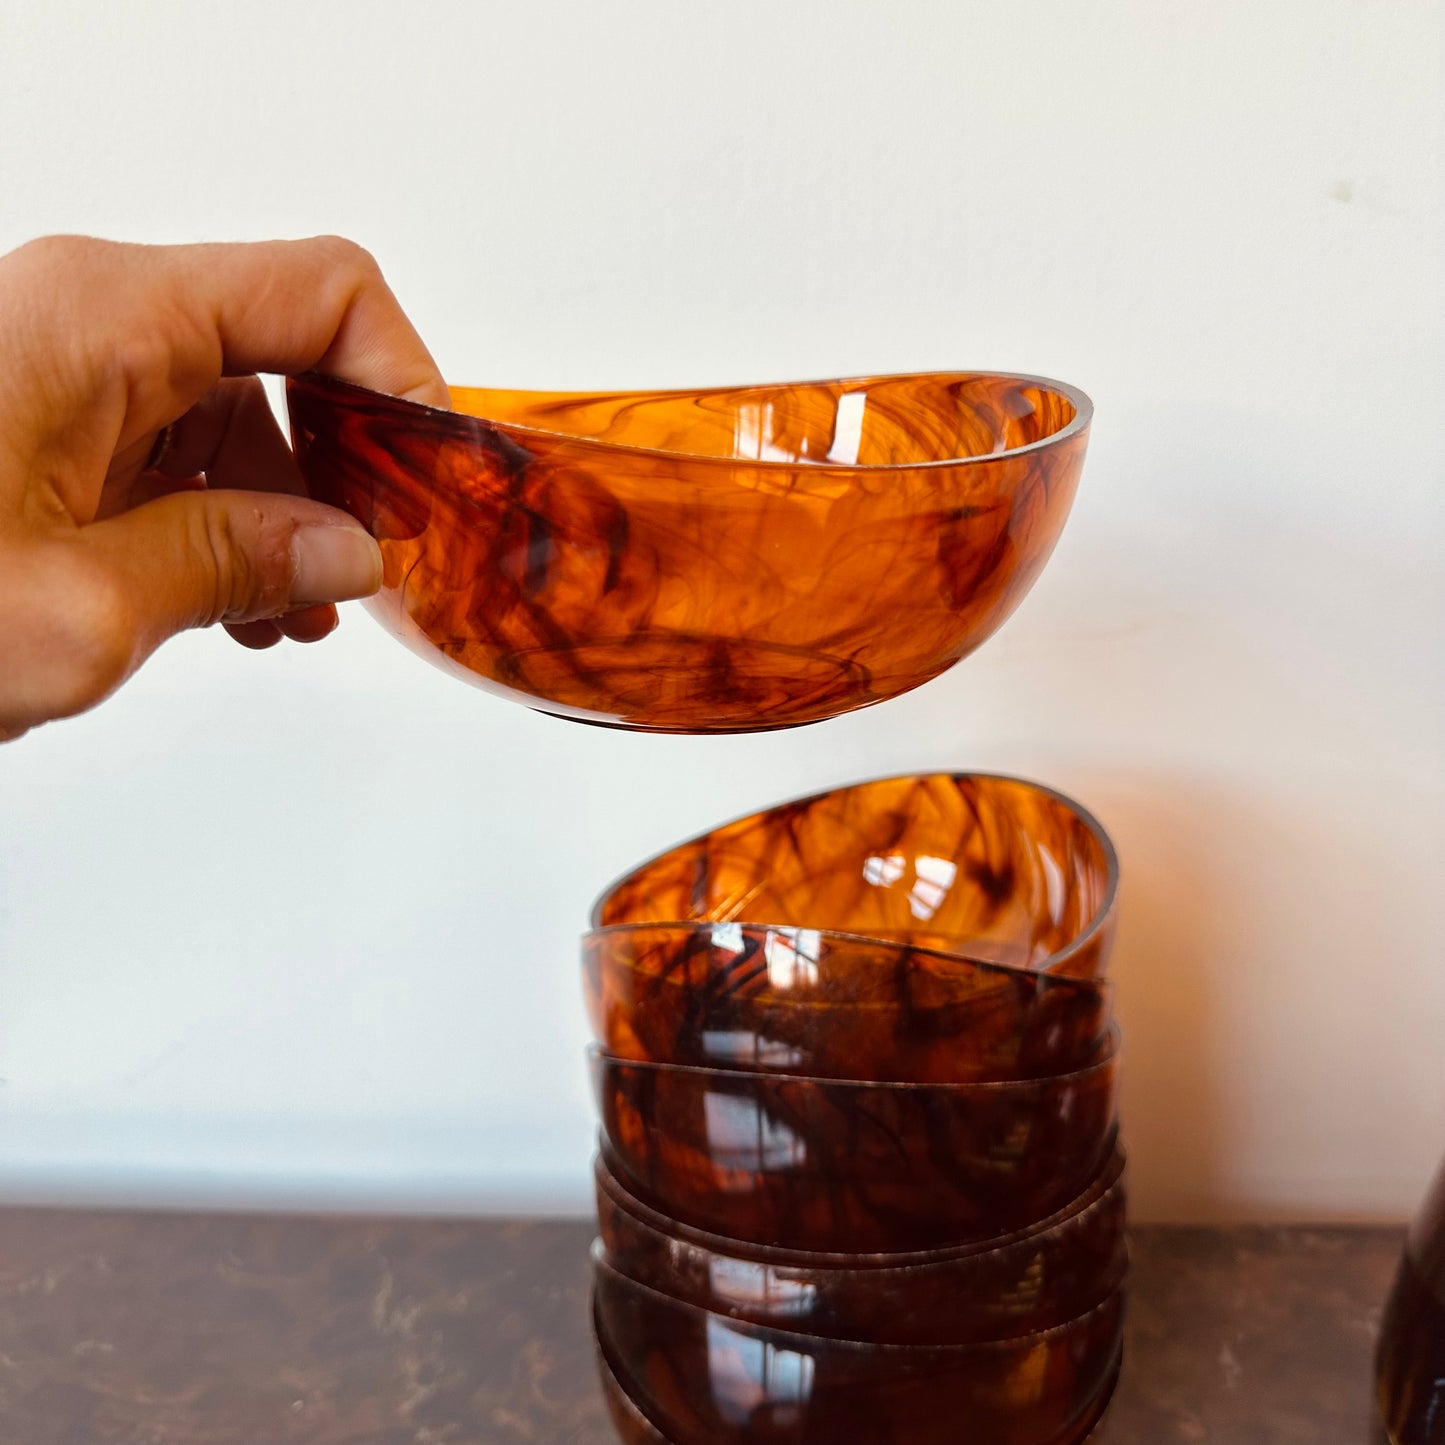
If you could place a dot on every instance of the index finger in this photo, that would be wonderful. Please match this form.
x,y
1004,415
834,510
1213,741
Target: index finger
x,y
164,323
317,305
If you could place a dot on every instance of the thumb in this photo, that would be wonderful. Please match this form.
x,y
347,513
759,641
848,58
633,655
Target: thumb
x,y
196,558
92,605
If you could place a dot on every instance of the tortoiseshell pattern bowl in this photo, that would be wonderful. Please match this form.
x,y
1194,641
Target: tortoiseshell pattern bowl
x,y
707,1379
858,1178
990,867
835,1165
720,560
832,1005
1015,1287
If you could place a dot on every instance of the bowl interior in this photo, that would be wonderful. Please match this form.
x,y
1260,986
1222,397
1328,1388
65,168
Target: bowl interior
x,y
864,421
993,867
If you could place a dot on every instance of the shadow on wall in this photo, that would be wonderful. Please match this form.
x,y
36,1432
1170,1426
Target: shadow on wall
x,y
1173,1119
1253,1004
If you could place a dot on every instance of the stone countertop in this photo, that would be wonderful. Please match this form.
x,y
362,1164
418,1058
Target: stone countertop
x,y
214,1329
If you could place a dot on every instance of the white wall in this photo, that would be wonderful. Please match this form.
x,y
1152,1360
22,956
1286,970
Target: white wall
x,y
300,926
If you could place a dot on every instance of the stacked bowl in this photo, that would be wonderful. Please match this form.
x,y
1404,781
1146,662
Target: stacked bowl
x,y
858,1179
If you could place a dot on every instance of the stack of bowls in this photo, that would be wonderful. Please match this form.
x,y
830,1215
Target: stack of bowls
x,y
858,1177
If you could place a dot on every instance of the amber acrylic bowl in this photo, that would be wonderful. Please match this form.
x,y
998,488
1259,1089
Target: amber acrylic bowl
x,y
990,867
1016,1287
707,1379
833,1165
832,1005
725,560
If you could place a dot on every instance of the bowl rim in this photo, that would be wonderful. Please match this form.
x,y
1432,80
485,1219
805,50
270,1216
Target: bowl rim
x,y
598,1056
1050,965
1101,985
1111,1180
600,1265
464,421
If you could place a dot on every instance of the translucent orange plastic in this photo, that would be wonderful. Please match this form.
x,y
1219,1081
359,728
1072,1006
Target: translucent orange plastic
x,y
994,868
833,1005
702,561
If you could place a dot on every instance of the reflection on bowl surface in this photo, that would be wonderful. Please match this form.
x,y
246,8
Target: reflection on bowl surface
x,y
702,561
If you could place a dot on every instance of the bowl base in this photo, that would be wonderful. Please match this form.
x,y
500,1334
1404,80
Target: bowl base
x,y
664,682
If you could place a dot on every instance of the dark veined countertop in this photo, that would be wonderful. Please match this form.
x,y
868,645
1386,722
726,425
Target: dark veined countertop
x,y
214,1329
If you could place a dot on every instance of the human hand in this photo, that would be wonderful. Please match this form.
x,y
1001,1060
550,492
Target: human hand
x,y
145,487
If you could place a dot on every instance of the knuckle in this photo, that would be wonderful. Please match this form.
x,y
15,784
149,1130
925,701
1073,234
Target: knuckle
x,y
143,356
355,261
59,253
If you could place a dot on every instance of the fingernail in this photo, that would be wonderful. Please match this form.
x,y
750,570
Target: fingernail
x,y
333,564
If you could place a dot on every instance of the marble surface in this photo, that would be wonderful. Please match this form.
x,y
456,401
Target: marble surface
x,y
154,1329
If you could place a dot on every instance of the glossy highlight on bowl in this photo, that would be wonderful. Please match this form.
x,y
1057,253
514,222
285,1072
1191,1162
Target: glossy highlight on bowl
x,y
707,1379
834,1165
1003,1289
719,560
991,867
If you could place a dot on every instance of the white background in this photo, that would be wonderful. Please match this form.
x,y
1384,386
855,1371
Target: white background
x,y
300,927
